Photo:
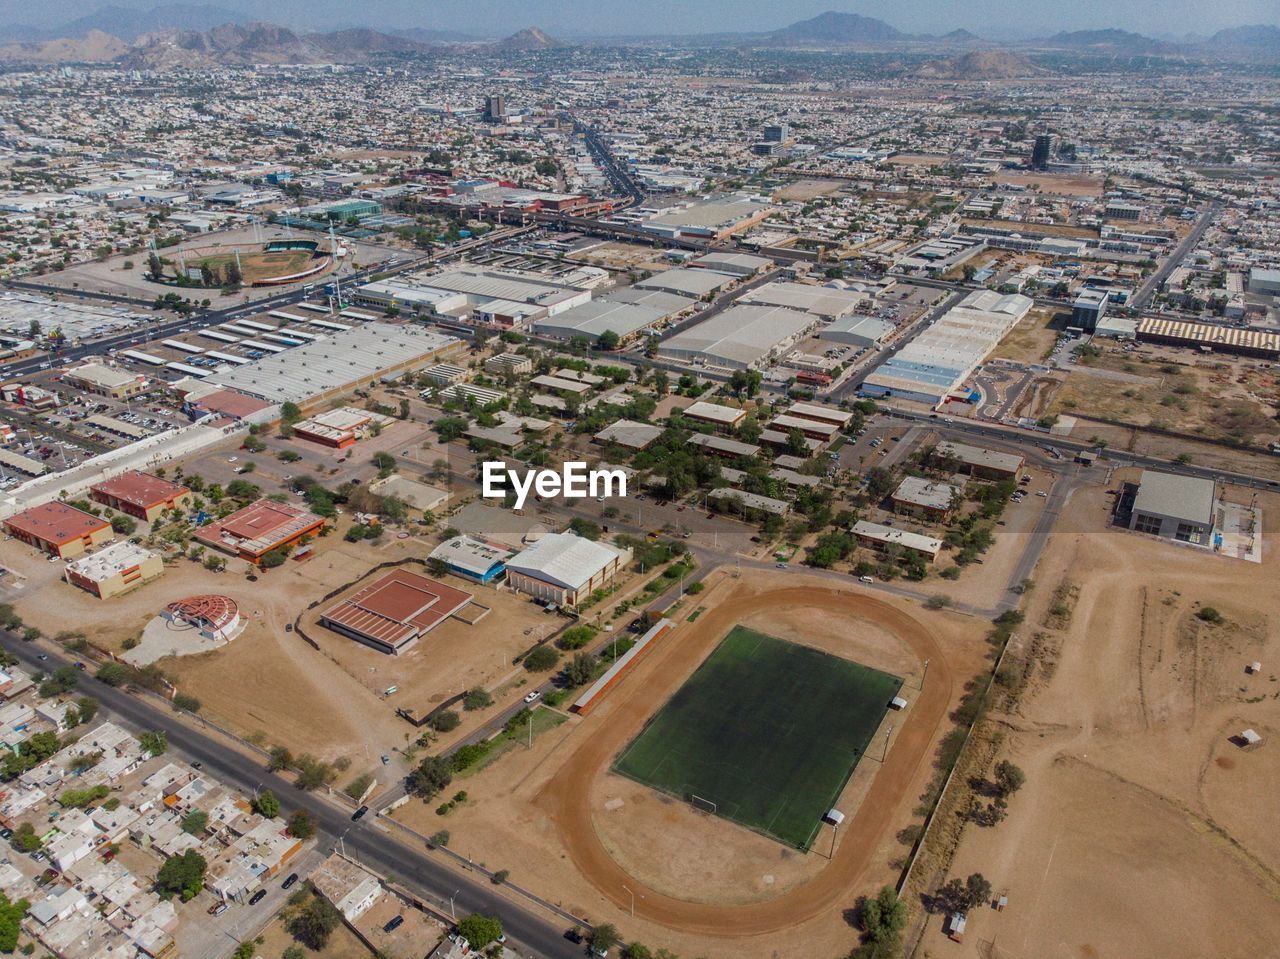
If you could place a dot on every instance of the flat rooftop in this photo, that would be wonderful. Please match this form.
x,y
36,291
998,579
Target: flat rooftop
x,y
55,522
1182,497
140,489
397,608
110,561
258,527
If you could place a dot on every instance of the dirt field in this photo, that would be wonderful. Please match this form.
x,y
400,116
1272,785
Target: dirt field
x,y
1033,339
805,190
551,815
1216,399
1059,183
1142,830
622,256
257,266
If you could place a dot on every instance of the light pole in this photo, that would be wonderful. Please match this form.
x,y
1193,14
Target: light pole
x,y
633,901
451,912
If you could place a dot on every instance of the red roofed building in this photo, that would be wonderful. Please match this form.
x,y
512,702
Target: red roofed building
x,y
392,612
230,403
140,494
259,528
59,529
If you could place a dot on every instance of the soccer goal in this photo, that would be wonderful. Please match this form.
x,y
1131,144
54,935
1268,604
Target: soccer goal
x,y
705,805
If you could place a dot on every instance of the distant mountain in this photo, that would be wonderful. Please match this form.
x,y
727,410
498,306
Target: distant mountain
x,y
979,65
234,44
97,47
360,41
1109,41
960,36
423,35
130,24
838,28
1259,41
531,38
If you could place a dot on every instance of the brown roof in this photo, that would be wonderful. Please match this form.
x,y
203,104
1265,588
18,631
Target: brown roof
x,y
233,404
258,527
140,489
398,607
55,523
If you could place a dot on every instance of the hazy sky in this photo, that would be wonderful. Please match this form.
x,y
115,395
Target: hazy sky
x,y
991,18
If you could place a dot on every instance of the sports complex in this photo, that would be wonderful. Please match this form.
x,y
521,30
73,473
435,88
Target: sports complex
x,y
275,263
765,733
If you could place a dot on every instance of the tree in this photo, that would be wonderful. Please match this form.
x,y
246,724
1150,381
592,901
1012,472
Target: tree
x,y
480,930
882,919
195,822
977,890
604,937
477,699
432,775
123,525
445,721
580,669
154,742
267,804
182,875
289,412
1009,778
314,923
25,839
11,914
279,758
302,825
608,340
541,659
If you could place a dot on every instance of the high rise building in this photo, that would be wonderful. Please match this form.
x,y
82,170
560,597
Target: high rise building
x,y
777,133
1042,150
494,107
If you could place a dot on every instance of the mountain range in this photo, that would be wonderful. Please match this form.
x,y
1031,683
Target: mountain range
x,y
204,35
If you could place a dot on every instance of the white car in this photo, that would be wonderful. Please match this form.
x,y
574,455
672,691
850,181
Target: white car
x,y
533,697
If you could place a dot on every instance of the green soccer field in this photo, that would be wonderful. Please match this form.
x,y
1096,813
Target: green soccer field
x,y
765,733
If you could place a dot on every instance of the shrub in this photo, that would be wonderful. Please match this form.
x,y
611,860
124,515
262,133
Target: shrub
x,y
444,721
477,699
541,659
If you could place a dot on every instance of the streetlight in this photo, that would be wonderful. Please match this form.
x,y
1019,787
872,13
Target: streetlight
x,y
633,902
451,912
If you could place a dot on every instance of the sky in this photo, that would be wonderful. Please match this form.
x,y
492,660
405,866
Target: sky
x,y
995,19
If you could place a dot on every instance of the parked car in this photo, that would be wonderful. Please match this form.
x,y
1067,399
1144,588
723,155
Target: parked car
x,y
359,814
395,923
533,696
289,880
257,897
218,908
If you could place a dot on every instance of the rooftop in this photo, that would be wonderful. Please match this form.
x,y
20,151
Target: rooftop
x,y
565,559
110,561
56,522
397,608
138,488
1187,498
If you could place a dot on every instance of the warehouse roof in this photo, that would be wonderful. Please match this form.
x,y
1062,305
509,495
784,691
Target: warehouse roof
x,y
856,326
1182,497
594,318
668,303
138,488
740,335
686,282
471,555
821,301
564,559
977,456
350,356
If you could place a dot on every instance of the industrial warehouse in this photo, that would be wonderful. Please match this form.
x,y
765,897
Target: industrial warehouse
x,y
338,363
741,337
931,368
498,297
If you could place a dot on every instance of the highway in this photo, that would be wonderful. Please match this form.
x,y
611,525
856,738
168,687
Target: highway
x,y
366,841
1174,259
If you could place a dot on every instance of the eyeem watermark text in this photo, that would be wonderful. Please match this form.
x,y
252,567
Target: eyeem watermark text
x,y
572,481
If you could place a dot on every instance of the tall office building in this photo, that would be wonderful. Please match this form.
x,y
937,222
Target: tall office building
x,y
1041,151
494,107
777,133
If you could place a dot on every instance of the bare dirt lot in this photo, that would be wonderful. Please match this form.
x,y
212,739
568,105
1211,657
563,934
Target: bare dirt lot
x,y
1059,183
1032,339
1142,831
805,190
550,814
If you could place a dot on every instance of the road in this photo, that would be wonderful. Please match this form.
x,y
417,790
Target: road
x,y
425,873
849,388
1174,259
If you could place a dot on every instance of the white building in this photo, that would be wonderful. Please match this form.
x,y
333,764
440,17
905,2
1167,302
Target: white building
x,y
565,569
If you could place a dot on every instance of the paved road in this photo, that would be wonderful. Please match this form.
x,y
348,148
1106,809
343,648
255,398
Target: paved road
x,y
365,841
1174,259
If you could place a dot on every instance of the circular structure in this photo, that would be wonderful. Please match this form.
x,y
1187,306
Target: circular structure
x,y
216,616
274,263
567,797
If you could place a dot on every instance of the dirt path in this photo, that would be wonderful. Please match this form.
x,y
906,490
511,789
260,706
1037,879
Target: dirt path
x,y
566,797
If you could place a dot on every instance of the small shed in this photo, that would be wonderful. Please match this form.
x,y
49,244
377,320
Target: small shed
x,y
834,816
1253,668
1250,739
955,926
1001,903
897,703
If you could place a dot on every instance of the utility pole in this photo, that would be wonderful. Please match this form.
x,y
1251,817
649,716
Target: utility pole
x,y
884,755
